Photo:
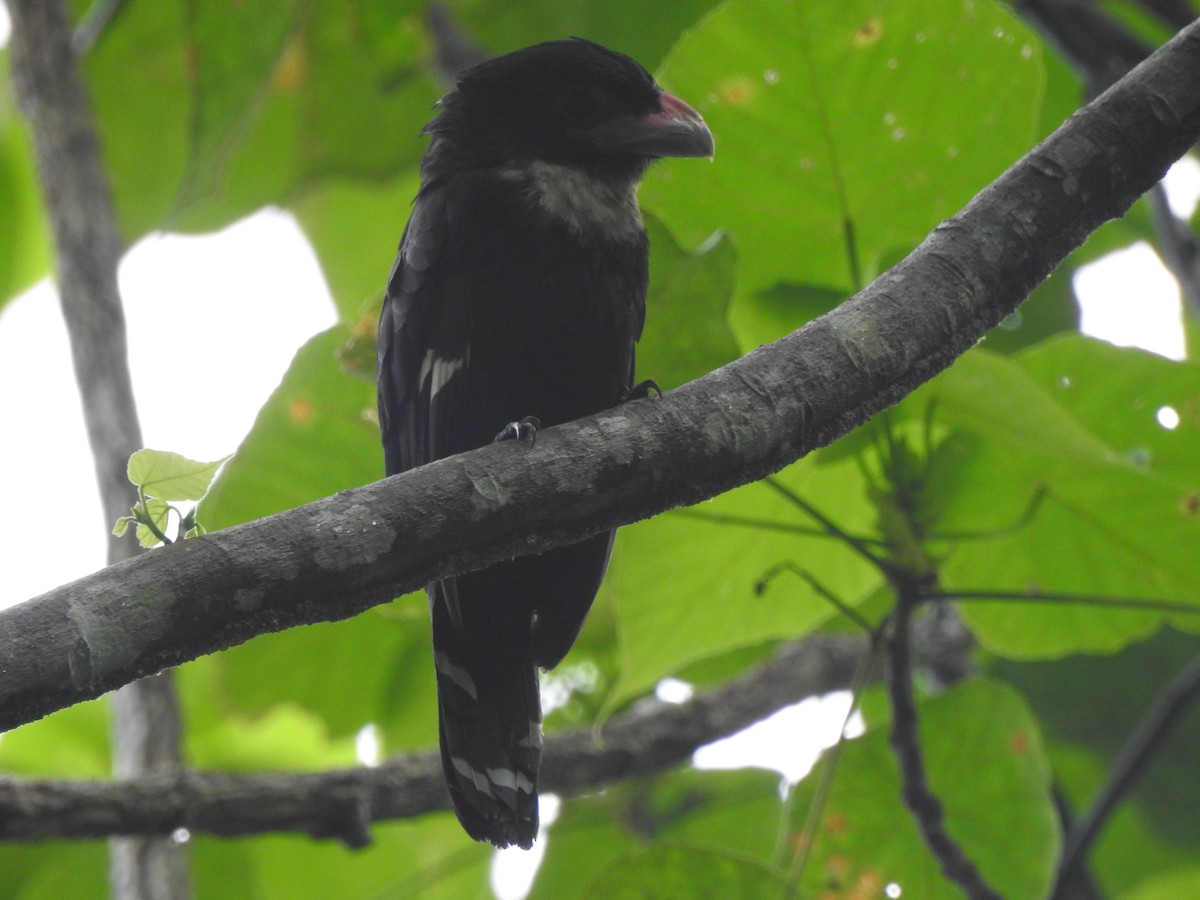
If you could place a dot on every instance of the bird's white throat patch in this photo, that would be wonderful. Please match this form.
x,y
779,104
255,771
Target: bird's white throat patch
x,y
585,203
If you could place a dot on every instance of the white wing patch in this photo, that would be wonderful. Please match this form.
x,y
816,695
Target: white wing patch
x,y
457,674
438,370
579,199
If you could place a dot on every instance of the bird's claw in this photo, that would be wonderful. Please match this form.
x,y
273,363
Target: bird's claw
x,y
642,391
518,431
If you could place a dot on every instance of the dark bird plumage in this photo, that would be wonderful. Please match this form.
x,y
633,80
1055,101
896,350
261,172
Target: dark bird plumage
x,y
519,290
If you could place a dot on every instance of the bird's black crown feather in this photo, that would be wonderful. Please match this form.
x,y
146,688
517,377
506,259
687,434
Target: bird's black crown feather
x,y
539,102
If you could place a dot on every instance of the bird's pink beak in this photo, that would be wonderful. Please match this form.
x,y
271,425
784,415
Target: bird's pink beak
x,y
674,129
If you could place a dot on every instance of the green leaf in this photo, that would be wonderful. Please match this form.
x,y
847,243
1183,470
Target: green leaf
x,y
1129,849
72,742
687,330
984,758
54,869
644,31
1109,524
699,599
142,54
355,230
169,476
780,309
24,241
428,858
236,51
315,436
382,675
735,813
685,872
156,512
825,120
284,739
1117,392
1062,693
1182,882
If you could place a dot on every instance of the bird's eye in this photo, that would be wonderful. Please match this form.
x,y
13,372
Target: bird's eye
x,y
580,107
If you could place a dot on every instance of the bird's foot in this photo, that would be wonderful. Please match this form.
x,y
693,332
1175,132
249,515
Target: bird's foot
x,y
642,391
518,431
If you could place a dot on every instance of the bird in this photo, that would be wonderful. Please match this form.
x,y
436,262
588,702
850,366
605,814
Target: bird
x,y
515,301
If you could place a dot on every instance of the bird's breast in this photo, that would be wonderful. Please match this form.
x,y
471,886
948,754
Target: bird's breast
x,y
591,205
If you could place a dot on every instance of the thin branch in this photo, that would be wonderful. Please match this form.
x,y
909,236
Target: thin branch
x,y
1092,41
818,588
1177,247
99,16
453,48
769,525
1176,14
1139,604
336,557
1130,764
1102,49
831,527
925,807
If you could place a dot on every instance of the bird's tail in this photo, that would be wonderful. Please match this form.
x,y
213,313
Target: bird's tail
x,y
490,724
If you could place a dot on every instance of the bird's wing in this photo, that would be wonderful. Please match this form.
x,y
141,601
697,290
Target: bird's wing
x,y
424,341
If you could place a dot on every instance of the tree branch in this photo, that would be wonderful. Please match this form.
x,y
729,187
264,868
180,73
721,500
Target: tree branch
x,y
342,804
146,731
926,808
1128,767
1102,49
336,557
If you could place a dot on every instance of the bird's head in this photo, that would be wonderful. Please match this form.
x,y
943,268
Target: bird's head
x,y
568,102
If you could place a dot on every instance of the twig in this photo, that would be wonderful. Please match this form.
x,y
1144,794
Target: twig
x,y
454,48
925,807
1140,604
1129,766
1177,247
93,23
1093,42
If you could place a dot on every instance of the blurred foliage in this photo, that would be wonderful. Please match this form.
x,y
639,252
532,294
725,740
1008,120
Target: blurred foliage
x,y
845,132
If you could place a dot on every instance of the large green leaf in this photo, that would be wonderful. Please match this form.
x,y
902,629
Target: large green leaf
x,y
54,870
984,758
137,83
72,742
355,229
737,813
875,116
24,242
1117,392
1109,523
644,31
1062,692
427,858
372,669
240,106
685,581
683,873
236,51
1129,850
687,331
1181,882
315,436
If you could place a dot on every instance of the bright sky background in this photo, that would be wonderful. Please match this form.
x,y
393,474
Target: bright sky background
x,y
233,308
